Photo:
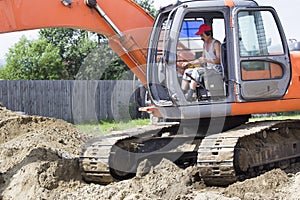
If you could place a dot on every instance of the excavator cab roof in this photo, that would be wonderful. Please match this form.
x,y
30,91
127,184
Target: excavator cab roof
x,y
210,3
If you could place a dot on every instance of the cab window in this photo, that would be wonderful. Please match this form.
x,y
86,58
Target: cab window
x,y
258,34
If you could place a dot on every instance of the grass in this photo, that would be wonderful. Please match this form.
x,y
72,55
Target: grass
x,y
274,117
105,127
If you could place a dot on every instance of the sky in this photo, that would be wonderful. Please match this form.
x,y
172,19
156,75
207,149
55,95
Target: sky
x,y
288,11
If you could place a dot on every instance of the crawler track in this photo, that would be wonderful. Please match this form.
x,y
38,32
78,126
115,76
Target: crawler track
x,y
248,151
222,158
104,159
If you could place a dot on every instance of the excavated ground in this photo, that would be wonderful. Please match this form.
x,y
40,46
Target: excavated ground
x,y
39,160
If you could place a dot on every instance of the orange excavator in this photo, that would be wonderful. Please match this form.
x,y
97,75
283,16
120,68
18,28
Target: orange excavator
x,y
260,74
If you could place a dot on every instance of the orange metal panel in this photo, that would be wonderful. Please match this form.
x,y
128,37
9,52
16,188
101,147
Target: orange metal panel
x,y
229,3
290,102
265,107
132,20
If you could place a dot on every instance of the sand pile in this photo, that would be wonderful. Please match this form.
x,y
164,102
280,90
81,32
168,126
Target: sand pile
x,y
39,160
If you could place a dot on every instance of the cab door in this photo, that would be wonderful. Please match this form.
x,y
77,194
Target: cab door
x,y
263,64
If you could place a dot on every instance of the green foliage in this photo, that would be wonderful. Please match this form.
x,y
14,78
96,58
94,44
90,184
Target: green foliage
x,y
33,60
66,53
275,116
147,5
103,63
73,44
84,58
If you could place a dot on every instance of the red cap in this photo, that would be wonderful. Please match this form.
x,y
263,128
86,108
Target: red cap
x,y
203,28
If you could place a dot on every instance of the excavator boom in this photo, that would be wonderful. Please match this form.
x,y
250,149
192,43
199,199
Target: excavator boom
x,y
133,23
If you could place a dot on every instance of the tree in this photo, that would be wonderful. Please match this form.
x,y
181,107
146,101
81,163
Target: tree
x,y
73,44
74,55
147,5
33,60
104,64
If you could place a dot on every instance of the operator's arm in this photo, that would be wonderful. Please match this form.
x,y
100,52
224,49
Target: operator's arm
x,y
203,59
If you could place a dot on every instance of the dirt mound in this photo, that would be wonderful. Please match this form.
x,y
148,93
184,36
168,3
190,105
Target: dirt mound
x,y
36,154
164,181
270,183
39,160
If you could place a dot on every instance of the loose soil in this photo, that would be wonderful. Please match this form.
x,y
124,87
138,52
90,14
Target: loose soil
x,y
39,160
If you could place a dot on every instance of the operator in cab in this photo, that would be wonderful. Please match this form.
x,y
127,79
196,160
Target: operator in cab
x,y
210,59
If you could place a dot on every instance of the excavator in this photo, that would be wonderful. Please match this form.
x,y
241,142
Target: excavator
x,y
260,74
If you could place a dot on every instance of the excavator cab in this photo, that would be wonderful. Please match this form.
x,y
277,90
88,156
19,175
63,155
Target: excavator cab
x,y
254,56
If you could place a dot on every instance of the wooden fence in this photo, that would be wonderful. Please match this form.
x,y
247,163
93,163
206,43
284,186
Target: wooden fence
x,y
74,101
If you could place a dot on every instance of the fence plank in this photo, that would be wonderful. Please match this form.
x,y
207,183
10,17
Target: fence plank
x,y
74,101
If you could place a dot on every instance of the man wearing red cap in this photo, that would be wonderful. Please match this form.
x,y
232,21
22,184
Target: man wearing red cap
x,y
210,59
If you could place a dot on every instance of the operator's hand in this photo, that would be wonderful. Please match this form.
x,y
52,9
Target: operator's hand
x,y
186,64
202,60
